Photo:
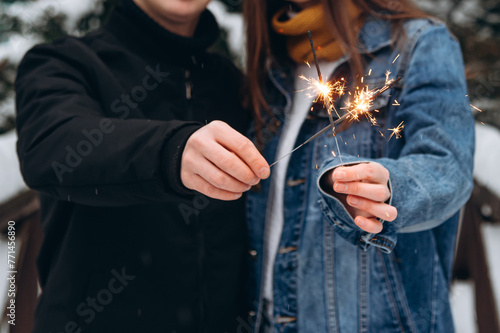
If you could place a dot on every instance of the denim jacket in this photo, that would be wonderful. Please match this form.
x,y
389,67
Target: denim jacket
x,y
329,275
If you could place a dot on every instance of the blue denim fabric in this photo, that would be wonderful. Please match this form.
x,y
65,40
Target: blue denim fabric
x,y
329,275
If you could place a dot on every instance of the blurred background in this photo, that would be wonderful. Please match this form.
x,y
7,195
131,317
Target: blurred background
x,y
475,291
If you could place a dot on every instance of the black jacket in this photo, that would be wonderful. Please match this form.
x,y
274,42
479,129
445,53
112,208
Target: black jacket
x,y
102,123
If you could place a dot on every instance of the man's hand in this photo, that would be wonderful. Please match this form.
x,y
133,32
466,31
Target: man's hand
x,y
363,188
221,163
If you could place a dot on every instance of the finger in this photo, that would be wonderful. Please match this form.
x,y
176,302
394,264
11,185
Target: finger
x,y
375,192
244,148
371,172
378,209
371,225
231,164
204,187
220,179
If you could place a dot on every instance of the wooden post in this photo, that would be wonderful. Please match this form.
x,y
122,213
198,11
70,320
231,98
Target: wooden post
x,y
471,261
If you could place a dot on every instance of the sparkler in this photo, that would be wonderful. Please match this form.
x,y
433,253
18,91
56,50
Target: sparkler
x,y
363,100
314,55
326,93
360,106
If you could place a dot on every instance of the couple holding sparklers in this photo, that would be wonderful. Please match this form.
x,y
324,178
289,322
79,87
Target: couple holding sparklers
x,y
354,232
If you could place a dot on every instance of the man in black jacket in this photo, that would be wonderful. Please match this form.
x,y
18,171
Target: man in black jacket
x,y
131,135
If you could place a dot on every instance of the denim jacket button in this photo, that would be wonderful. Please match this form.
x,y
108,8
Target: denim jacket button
x,y
295,182
277,123
284,250
251,313
253,254
284,319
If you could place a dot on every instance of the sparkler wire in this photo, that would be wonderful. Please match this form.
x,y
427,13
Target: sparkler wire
x,y
314,55
328,106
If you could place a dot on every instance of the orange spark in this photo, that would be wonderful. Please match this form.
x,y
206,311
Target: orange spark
x,y
387,73
396,131
360,104
324,91
476,108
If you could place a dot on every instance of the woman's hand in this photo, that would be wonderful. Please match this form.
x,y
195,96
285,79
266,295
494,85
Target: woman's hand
x,y
363,188
221,163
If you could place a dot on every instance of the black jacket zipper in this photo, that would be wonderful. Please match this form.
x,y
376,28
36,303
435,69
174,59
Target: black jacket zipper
x,y
189,84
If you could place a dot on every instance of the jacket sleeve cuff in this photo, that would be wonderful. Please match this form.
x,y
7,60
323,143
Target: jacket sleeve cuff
x,y
172,156
343,223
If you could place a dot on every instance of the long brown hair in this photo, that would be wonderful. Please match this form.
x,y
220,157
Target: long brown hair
x,y
263,43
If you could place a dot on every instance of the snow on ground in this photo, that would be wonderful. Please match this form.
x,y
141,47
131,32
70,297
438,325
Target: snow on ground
x,y
462,306
11,182
491,236
487,157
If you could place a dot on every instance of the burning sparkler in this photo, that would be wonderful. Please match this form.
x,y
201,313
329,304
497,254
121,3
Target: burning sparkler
x,y
326,93
360,106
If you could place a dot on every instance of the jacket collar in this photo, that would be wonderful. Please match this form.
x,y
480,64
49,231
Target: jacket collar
x,y
133,26
374,35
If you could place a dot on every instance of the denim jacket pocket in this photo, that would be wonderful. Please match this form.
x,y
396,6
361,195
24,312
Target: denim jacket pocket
x,y
394,313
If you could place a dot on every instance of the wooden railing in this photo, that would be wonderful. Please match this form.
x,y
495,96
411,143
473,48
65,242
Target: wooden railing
x,y
24,210
471,259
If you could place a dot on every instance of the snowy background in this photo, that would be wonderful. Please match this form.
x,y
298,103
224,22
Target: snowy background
x,y
26,23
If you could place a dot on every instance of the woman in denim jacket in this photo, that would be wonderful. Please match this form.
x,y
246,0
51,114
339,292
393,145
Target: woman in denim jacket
x,y
361,240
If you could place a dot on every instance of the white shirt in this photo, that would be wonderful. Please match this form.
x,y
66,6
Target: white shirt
x,y
293,121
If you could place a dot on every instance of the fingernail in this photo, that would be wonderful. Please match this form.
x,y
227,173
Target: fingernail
x,y
237,196
264,172
353,201
339,175
340,187
255,181
248,188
